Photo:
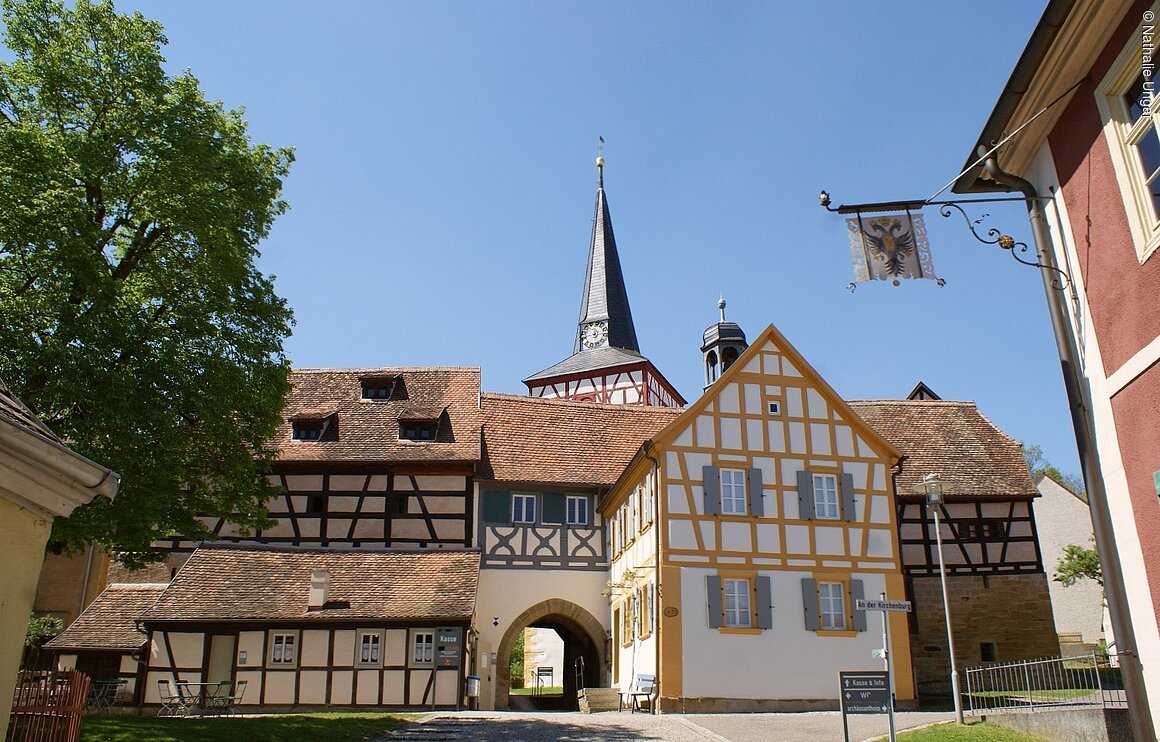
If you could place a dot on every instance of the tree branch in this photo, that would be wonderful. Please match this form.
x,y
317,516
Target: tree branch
x,y
143,240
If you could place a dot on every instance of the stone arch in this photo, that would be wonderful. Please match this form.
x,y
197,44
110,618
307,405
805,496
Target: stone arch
x,y
586,636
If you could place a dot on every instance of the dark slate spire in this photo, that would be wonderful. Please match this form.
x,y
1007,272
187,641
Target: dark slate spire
x,y
605,297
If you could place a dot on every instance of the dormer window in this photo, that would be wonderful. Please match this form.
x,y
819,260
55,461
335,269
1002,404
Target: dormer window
x,y
379,388
307,430
418,430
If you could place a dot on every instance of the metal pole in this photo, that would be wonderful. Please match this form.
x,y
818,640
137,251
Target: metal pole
x,y
942,574
886,659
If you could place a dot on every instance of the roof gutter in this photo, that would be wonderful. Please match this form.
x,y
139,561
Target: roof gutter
x,y
47,476
1017,86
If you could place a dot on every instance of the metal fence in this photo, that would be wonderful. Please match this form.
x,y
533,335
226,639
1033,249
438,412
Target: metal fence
x,y
1087,680
48,706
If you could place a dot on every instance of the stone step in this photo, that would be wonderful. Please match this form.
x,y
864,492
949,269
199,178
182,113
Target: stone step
x,y
599,699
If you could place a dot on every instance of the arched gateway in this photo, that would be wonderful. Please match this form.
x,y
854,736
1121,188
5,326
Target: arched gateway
x,y
582,634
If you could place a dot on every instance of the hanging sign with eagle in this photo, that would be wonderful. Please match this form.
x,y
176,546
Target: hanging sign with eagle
x,y
889,248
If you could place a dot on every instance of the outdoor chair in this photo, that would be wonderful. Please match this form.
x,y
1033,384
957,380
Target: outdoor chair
x,y
102,694
170,701
235,698
216,700
188,699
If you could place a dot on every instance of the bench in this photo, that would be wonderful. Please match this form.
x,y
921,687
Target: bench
x,y
641,694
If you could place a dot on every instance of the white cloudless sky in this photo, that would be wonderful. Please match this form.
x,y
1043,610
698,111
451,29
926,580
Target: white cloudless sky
x,y
442,197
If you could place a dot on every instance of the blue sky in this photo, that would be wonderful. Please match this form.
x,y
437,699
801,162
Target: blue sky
x,y
442,197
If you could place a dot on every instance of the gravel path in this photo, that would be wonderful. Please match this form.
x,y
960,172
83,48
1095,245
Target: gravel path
x,y
548,727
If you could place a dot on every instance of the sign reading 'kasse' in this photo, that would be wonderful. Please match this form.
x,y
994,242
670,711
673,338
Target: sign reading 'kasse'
x,y
865,692
449,643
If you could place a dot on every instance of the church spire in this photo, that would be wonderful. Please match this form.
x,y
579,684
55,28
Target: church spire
x,y
605,317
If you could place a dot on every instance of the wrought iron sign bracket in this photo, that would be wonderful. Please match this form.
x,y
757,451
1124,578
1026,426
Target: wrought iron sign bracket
x,y
1017,249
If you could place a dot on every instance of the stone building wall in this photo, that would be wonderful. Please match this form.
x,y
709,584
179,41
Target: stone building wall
x,y
1012,613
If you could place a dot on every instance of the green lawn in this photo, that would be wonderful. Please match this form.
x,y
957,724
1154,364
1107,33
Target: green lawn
x,y
329,727
977,732
545,691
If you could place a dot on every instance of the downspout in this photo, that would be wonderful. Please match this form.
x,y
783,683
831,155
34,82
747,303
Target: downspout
x,y
644,447
1079,400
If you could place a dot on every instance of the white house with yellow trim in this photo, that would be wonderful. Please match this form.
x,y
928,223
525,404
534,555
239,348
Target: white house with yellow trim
x,y
742,534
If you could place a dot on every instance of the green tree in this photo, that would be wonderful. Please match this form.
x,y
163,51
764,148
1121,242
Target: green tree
x,y
41,628
132,316
1079,563
1040,466
516,664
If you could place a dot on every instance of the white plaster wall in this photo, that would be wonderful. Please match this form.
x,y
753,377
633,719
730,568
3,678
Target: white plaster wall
x,y
1061,519
785,662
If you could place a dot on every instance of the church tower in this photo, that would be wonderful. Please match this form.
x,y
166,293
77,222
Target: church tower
x,y
606,364
723,344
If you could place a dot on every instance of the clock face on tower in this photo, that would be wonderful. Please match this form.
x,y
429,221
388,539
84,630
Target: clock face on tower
x,y
594,334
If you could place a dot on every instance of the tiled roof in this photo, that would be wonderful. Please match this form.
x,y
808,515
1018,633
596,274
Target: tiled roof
x,y
589,360
560,442
953,440
14,411
234,582
368,430
108,623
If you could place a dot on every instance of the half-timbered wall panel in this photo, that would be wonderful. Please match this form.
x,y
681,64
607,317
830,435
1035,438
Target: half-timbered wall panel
x,y
539,544
369,509
978,538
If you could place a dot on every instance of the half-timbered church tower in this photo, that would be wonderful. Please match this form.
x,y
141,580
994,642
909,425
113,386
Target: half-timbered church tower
x,y
606,364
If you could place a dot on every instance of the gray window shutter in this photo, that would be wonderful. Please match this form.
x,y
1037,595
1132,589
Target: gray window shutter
x,y
497,507
713,588
753,488
764,603
805,488
810,603
712,485
857,593
849,508
555,505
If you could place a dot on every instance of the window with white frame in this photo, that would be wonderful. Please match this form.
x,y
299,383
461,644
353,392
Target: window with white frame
x,y
523,508
370,648
1127,103
646,506
577,510
832,605
826,496
422,647
733,492
737,614
647,609
283,649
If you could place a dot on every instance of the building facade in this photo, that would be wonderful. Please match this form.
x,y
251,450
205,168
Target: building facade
x,y
742,536
1088,164
1063,519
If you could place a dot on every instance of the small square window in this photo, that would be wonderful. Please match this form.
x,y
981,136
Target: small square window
x,y
775,408
370,648
577,510
826,496
523,508
988,652
418,430
307,430
423,648
737,613
283,650
377,389
732,492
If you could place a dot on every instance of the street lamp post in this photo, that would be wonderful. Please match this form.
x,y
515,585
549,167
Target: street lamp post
x,y
934,488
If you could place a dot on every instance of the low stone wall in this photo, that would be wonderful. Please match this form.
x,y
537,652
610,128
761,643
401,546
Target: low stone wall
x,y
1070,725
1010,612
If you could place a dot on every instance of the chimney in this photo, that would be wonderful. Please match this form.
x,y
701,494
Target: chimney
x,y
319,589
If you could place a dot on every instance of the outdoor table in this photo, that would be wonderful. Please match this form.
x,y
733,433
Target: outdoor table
x,y
102,694
199,693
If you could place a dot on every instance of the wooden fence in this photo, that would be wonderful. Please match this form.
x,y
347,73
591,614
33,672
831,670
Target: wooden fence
x,y
48,706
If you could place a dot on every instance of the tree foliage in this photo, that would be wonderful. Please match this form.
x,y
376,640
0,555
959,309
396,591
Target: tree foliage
x,y
1040,466
516,663
1079,563
132,316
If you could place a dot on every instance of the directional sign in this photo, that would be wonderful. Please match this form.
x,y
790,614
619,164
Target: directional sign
x,y
865,692
900,606
878,653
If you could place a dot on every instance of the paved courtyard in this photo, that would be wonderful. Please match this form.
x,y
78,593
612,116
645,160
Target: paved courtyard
x,y
546,727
